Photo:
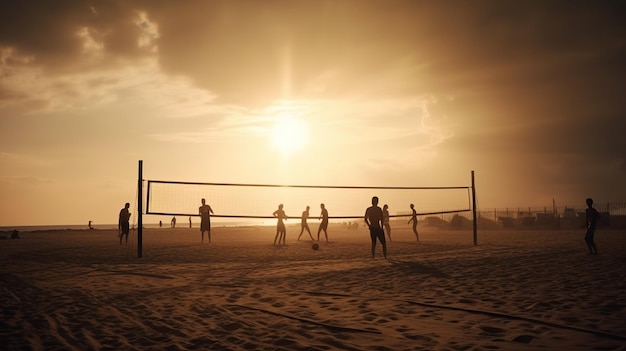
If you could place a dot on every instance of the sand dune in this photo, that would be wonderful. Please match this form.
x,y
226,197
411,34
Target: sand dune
x,y
81,290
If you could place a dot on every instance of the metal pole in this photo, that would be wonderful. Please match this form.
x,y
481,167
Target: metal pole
x,y
140,209
474,210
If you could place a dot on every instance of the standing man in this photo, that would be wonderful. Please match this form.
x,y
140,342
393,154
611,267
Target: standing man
x,y
414,220
324,225
123,222
591,219
386,224
374,220
205,219
281,231
305,225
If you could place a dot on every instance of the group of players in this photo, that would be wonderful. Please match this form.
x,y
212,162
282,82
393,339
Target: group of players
x,y
281,231
377,220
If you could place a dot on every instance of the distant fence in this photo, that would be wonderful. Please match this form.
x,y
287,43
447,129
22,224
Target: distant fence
x,y
613,209
553,217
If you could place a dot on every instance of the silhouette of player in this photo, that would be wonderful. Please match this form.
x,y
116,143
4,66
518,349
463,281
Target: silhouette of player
x,y
205,219
414,220
591,219
173,223
386,221
281,231
123,223
324,225
305,225
374,220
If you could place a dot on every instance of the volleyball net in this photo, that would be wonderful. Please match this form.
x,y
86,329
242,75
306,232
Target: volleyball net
x,y
176,198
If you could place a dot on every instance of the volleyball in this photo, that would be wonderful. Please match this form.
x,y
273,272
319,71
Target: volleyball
x,y
315,246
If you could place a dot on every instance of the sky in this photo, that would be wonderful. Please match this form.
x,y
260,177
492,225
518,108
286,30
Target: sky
x,y
527,94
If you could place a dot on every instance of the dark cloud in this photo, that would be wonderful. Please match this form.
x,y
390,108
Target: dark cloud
x,y
49,31
240,49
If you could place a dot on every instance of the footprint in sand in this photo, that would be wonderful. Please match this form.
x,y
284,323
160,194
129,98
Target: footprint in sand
x,y
492,330
229,327
234,297
524,339
570,319
423,338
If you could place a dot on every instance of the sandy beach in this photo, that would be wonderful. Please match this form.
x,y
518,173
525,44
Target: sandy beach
x,y
516,290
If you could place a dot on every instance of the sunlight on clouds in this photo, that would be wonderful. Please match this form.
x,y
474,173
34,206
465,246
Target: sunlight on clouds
x,y
383,120
92,49
8,56
41,92
140,82
174,97
361,137
231,121
340,128
149,32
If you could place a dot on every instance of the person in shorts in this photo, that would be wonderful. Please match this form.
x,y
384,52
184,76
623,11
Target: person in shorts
x,y
123,223
591,219
324,225
374,220
205,219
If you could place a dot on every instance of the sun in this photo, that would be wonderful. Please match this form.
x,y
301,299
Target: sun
x,y
289,135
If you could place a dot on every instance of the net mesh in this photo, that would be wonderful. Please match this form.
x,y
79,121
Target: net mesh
x,y
260,201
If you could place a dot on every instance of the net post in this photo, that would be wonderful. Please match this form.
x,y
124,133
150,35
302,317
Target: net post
x,y
475,227
140,209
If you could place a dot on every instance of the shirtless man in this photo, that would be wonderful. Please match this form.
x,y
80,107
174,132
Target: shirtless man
x,y
374,220
123,223
305,225
205,219
324,224
281,231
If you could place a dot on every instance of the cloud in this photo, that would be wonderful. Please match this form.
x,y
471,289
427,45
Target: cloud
x,y
31,90
12,160
27,180
100,74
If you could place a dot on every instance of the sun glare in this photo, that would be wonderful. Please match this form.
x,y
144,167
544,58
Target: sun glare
x,y
290,135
